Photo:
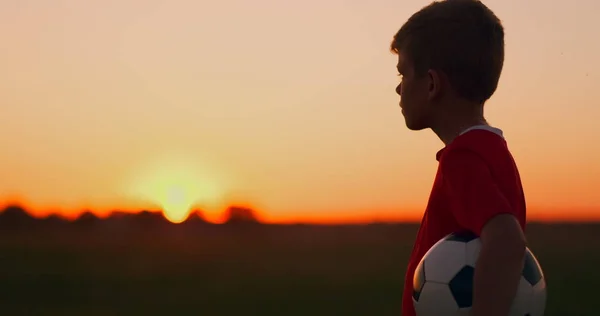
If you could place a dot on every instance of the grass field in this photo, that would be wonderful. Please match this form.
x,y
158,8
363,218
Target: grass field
x,y
255,270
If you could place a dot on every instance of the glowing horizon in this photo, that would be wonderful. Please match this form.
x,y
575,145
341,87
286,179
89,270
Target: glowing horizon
x,y
217,216
286,106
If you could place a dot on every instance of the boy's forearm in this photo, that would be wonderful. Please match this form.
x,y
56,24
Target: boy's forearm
x,y
497,277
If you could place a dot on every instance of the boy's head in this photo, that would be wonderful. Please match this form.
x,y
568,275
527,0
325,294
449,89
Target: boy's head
x,y
450,54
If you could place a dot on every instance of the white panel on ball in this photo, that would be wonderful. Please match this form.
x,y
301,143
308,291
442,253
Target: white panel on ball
x,y
450,255
436,300
473,248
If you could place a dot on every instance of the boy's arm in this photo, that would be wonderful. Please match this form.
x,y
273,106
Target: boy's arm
x,y
479,206
499,266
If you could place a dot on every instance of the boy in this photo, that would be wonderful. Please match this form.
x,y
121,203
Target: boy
x,y
450,56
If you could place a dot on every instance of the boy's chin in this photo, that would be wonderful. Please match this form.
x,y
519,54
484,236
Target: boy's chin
x,y
415,125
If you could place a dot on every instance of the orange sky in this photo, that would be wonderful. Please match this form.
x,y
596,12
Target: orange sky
x,y
289,106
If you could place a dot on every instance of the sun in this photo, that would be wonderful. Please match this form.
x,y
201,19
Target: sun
x,y
176,185
178,197
176,204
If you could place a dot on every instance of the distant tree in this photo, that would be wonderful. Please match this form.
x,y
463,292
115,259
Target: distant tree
x,y
147,218
53,220
116,224
87,218
238,214
196,216
15,217
118,217
119,214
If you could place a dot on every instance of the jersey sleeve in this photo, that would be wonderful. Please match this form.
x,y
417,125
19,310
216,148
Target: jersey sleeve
x,y
474,195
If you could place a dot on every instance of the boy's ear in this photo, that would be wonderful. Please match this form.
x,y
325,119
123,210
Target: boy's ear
x,y
435,84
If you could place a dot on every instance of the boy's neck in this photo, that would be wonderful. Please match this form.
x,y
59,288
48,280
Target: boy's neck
x,y
453,125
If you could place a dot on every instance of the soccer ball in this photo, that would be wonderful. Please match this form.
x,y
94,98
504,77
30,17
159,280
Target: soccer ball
x,y
443,280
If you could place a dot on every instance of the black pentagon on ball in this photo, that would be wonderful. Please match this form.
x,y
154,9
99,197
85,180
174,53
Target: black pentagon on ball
x,y
461,236
418,280
531,270
461,287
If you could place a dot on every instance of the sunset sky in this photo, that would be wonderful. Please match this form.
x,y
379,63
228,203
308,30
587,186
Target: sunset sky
x,y
285,105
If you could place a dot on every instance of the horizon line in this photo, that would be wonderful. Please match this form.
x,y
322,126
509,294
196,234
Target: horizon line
x,y
289,220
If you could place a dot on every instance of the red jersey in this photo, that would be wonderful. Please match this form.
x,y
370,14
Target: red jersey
x,y
477,179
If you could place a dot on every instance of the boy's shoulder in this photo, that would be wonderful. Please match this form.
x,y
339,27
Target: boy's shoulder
x,y
484,141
